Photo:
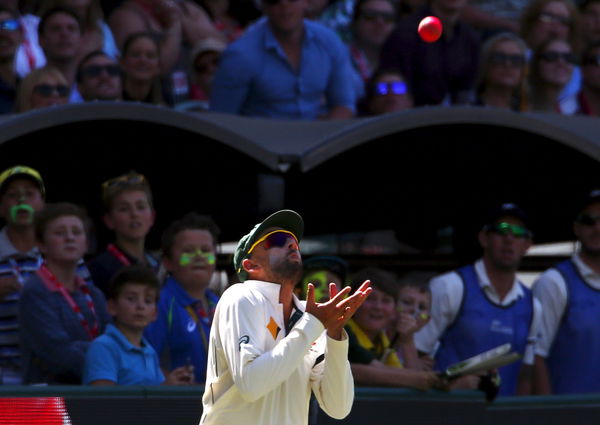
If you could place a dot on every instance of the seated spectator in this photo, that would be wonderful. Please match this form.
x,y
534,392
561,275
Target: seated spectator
x,y
128,212
490,291
205,60
41,88
588,98
502,81
60,35
433,78
60,313
322,270
285,67
372,357
96,34
122,356
174,23
543,20
551,68
186,307
372,23
140,61
590,20
10,39
99,78
387,92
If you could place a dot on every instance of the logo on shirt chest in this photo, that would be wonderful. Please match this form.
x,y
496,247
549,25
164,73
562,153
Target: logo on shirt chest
x,y
498,327
191,326
273,328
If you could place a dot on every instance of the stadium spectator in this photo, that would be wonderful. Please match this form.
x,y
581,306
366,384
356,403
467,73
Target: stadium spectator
x,y
60,36
129,213
186,307
483,305
267,350
205,60
60,313
372,23
502,79
122,356
551,68
141,69
590,19
588,98
11,36
438,73
285,67
41,88
99,77
96,34
372,355
570,334
322,270
174,23
493,16
387,91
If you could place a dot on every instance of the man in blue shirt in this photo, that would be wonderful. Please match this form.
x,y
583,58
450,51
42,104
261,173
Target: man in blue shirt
x,y
285,67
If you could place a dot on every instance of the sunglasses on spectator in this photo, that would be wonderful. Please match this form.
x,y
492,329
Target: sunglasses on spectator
x,y
274,239
127,179
587,219
47,90
393,87
548,18
96,70
10,25
372,15
498,58
556,56
504,228
592,60
274,2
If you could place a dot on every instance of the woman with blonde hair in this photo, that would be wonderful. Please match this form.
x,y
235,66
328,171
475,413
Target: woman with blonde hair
x,y
43,87
141,68
502,78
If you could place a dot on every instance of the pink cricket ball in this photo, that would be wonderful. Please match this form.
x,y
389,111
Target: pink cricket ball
x,y
430,29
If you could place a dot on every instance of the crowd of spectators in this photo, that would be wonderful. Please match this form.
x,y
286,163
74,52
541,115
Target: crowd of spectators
x,y
301,59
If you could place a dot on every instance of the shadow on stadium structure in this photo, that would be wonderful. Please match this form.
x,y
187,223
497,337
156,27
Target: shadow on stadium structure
x,y
414,172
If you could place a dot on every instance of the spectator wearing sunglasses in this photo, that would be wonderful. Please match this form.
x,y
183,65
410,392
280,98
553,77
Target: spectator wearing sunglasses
x,y
484,305
99,77
10,40
41,88
186,306
502,79
267,349
544,20
551,69
387,92
433,77
569,345
205,60
292,69
60,36
588,98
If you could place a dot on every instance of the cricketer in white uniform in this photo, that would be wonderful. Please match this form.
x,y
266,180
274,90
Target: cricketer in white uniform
x,y
268,351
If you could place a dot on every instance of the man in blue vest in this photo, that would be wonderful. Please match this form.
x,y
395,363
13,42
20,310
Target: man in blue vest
x,y
569,345
483,305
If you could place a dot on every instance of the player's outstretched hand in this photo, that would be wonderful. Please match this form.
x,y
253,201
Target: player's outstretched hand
x,y
336,312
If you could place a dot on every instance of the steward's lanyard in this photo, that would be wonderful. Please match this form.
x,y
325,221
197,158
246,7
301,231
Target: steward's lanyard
x,y
200,315
94,330
118,254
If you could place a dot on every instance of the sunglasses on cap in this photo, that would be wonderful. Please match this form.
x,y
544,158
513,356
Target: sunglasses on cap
x,y
10,25
47,90
127,179
393,87
587,219
96,70
274,239
372,15
553,56
504,228
498,58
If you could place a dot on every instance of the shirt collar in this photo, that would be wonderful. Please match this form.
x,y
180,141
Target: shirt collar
x,y
175,288
118,336
584,269
484,282
271,292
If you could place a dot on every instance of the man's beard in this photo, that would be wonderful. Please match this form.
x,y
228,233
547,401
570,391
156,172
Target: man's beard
x,y
286,270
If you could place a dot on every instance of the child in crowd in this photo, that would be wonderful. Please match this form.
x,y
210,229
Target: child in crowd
x,y
122,356
129,213
372,356
59,313
186,306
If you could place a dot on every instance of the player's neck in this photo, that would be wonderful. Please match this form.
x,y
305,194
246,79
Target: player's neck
x,y
21,237
501,279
